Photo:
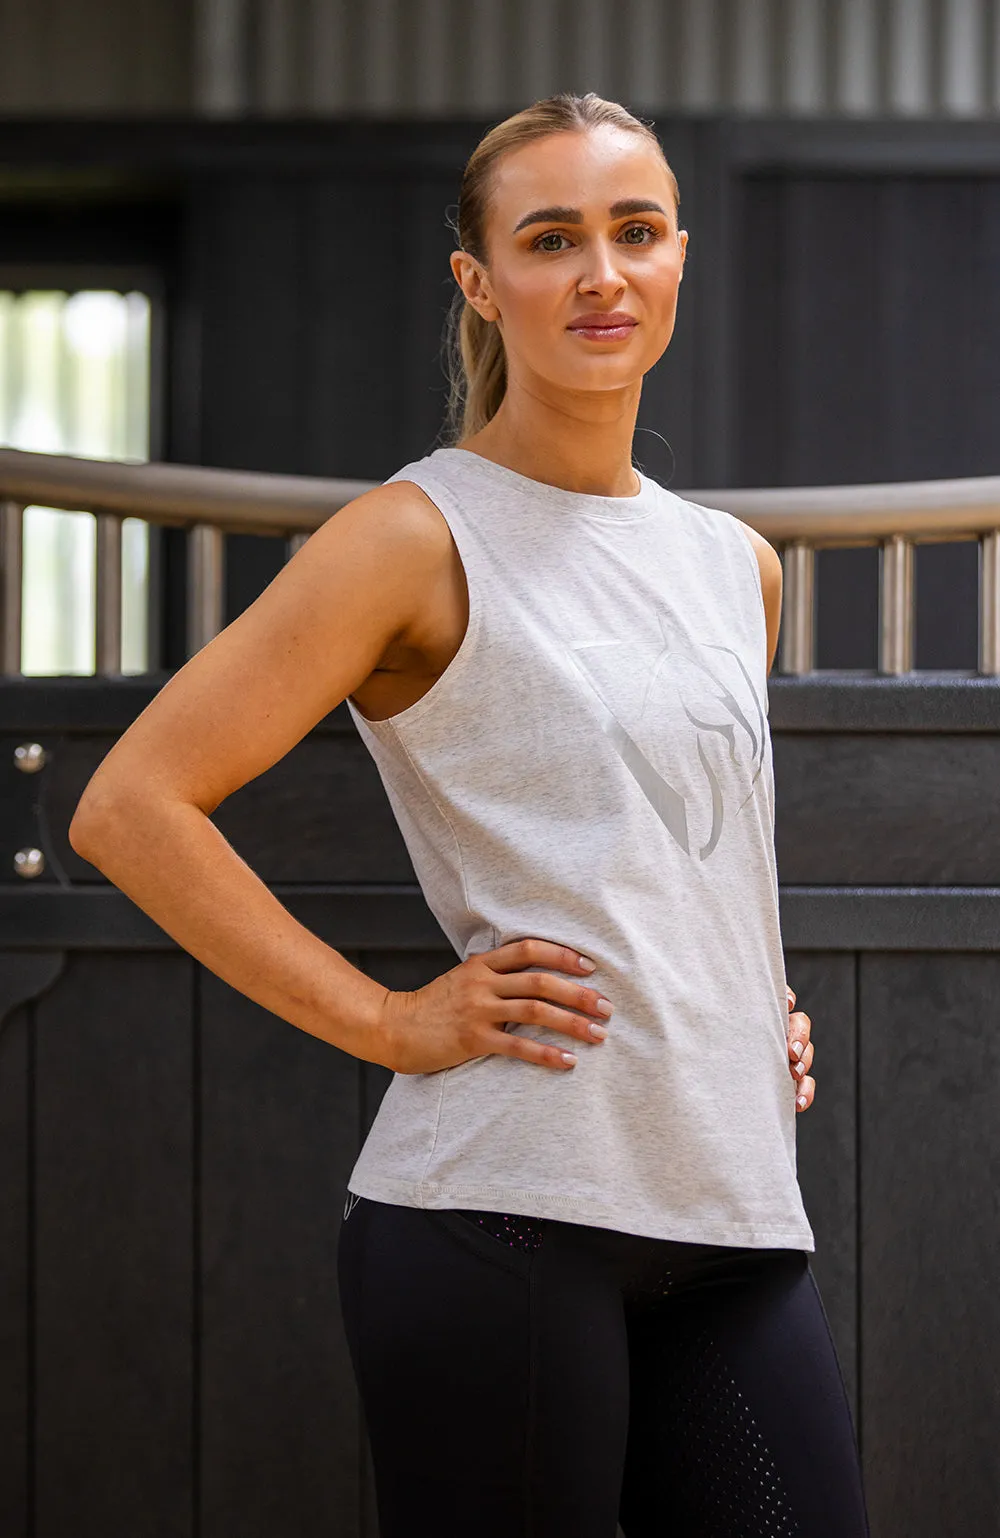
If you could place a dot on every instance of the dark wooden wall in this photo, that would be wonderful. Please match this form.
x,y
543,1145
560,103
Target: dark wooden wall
x,y
175,1158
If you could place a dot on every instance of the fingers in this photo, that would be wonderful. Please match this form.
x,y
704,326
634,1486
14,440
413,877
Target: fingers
x,y
801,1068
531,951
504,1045
804,1094
531,1010
547,985
543,999
799,1030
800,1053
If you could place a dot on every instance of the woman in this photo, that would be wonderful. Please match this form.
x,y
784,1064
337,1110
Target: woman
x,y
575,1284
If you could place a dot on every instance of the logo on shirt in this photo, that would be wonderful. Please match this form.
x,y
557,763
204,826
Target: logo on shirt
x,y
688,725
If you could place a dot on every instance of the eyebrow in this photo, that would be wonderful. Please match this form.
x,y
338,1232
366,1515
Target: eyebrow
x,y
560,215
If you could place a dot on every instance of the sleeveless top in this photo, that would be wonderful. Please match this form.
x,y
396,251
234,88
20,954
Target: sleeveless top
x,y
594,767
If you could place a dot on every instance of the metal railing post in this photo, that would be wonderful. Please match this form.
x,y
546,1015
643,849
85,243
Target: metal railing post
x,y
989,602
108,596
11,550
205,586
798,625
896,605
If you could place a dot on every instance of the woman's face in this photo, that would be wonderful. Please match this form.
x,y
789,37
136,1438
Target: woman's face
x,y
579,223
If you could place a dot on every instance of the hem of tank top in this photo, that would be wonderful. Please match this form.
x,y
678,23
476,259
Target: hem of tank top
x,y
532,1204
467,645
526,483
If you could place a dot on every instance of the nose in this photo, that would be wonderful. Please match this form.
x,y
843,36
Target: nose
x,y
601,269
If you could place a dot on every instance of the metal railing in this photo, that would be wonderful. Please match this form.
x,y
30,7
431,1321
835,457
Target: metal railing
x,y
212,503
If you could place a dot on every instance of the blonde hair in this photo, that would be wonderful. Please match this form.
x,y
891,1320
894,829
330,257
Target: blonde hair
x,y
475,358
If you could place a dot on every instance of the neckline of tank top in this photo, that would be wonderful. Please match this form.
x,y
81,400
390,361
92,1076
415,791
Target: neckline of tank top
x,y
584,504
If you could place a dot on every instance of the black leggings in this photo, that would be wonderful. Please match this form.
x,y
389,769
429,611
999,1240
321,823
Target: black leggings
x,y
531,1378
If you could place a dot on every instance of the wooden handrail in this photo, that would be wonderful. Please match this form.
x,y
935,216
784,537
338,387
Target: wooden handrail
x,y
896,516
249,501
180,496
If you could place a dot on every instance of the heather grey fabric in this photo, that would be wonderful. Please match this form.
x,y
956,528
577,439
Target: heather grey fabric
x,y
594,767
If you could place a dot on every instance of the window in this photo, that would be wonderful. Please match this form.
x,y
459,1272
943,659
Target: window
x,y
75,379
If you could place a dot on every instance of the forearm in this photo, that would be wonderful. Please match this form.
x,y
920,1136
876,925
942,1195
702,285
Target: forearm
x,y
173,862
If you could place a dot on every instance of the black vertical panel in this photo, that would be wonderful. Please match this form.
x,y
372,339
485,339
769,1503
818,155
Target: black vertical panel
x,y
280,1128
254,338
15,1274
24,976
834,405
359,302
761,280
941,325
942,328
930,1221
427,200
114,1255
714,224
826,1140
253,326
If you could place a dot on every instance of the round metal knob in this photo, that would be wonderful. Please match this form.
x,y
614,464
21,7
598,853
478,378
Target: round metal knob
x,y
29,757
29,862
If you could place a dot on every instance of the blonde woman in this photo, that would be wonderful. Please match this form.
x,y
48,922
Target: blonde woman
x,y
574,1259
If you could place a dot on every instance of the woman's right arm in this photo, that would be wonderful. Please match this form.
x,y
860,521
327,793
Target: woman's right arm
x,y
230,713
363,580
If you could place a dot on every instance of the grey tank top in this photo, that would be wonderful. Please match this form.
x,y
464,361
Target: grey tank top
x,y
594,767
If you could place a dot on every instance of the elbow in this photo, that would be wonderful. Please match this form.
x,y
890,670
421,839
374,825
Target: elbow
x,y
88,826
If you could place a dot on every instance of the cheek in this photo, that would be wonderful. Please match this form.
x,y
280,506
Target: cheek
x,y
531,309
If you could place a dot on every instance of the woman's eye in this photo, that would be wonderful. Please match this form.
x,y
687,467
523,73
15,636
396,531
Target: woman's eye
x,y
653,233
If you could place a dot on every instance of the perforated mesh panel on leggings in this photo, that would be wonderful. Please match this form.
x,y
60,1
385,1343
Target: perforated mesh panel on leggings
x,y
729,1485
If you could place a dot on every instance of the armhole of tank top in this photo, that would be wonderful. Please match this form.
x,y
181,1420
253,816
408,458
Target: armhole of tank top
x,y
440,495
758,585
760,607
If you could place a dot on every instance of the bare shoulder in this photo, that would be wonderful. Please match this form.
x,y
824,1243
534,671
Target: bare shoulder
x,y
363,579
397,516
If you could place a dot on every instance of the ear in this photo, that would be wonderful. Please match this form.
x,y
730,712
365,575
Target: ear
x,y
472,280
682,236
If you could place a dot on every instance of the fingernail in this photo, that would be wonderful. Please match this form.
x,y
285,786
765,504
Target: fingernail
x,y
568,1057
802,1101
597,1030
798,1048
587,964
604,1007
800,1068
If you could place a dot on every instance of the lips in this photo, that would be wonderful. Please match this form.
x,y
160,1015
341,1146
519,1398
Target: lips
x,y
609,321
612,326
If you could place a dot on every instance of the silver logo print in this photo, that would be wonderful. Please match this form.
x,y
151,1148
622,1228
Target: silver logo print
x,y
352,1201
671,804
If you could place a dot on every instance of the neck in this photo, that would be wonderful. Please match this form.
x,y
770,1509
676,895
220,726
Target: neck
x,y
585,448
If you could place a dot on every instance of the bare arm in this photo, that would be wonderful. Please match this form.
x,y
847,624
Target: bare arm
x,y
237,707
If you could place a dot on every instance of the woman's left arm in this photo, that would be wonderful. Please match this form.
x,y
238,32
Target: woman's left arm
x,y
800,1048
